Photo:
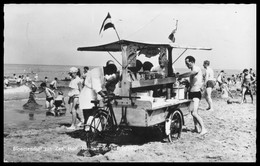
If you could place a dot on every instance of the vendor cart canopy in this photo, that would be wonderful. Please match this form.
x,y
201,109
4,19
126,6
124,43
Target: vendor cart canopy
x,y
116,46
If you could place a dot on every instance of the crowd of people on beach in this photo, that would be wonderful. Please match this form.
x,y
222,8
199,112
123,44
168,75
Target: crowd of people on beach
x,y
97,83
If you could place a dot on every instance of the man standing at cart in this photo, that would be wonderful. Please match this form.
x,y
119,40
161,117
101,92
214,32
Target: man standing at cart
x,y
194,92
95,87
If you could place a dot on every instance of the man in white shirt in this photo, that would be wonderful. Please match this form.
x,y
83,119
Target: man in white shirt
x,y
195,92
209,82
96,80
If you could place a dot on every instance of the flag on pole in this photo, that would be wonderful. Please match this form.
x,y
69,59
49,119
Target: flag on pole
x,y
107,23
171,36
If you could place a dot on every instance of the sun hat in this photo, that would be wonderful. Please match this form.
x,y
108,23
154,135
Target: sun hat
x,y
73,70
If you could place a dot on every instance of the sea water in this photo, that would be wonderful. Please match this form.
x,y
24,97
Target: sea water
x,y
15,97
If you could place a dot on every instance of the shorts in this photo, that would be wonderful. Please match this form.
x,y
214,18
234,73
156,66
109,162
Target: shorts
x,y
57,103
210,84
193,95
71,99
49,99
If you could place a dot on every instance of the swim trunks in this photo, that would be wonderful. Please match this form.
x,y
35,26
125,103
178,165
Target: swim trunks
x,y
71,99
195,95
49,99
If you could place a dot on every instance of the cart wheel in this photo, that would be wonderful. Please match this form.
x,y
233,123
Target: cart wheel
x,y
176,125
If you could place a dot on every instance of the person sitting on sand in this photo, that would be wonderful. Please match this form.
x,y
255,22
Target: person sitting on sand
x,y
247,81
59,104
50,94
225,92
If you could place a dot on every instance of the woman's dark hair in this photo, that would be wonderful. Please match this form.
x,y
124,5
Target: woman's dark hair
x,y
206,62
245,70
138,66
110,69
190,58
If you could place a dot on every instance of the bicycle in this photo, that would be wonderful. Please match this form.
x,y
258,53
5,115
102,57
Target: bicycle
x,y
103,122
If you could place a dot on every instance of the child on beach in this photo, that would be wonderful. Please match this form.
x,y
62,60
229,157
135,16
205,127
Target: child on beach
x,y
50,94
59,104
75,88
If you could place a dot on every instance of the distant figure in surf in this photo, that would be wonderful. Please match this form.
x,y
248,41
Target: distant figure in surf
x,y
31,103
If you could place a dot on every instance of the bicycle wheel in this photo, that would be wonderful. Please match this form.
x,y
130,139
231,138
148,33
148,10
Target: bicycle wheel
x,y
176,125
102,121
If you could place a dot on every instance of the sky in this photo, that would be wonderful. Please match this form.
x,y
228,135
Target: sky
x,y
51,33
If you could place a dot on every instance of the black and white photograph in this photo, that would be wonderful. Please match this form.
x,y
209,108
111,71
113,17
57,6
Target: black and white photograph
x,y
129,82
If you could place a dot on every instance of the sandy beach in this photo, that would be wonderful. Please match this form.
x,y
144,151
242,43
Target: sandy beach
x,y
231,137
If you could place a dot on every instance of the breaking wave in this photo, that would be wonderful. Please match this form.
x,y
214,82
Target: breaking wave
x,y
20,89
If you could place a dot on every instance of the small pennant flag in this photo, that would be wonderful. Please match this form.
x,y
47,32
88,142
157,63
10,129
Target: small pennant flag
x,y
171,36
107,23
